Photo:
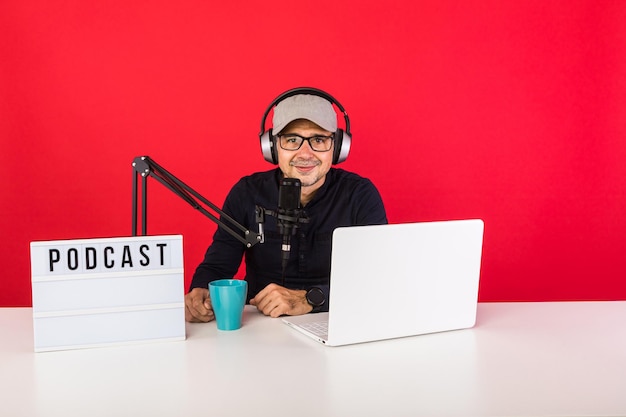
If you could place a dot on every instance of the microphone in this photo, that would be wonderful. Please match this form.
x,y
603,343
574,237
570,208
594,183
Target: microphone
x,y
289,213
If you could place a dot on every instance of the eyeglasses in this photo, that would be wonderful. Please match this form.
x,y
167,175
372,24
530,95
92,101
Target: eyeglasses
x,y
293,142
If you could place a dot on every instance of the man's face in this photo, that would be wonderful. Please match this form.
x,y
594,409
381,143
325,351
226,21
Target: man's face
x,y
309,166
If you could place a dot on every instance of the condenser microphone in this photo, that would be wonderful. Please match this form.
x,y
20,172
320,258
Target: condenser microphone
x,y
288,213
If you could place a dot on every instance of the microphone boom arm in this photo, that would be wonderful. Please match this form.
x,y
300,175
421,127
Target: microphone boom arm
x,y
144,167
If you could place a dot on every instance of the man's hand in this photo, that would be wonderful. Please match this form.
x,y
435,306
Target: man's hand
x,y
276,301
198,307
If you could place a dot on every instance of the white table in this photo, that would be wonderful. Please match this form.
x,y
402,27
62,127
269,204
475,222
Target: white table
x,y
522,359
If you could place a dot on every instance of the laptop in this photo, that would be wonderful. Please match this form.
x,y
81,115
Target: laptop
x,y
398,280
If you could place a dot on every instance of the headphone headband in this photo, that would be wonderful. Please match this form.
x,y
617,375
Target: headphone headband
x,y
304,90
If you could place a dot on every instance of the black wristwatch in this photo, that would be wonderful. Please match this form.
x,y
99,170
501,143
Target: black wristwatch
x,y
316,298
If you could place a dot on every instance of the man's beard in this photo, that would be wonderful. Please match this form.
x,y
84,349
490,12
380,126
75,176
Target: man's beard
x,y
309,182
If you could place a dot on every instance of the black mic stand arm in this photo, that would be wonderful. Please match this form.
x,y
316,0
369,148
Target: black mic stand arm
x,y
144,167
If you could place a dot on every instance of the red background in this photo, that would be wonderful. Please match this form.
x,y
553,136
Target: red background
x,y
509,111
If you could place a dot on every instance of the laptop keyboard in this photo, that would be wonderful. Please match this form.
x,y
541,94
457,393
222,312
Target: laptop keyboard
x,y
318,328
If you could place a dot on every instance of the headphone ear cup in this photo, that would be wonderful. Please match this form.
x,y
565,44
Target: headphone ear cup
x,y
267,147
342,146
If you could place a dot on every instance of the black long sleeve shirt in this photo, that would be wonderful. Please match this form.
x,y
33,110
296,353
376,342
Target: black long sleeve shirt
x,y
345,199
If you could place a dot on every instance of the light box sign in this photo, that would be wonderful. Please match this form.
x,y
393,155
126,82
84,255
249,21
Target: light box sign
x,y
103,292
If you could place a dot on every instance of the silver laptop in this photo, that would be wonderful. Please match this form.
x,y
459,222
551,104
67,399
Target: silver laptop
x,y
398,280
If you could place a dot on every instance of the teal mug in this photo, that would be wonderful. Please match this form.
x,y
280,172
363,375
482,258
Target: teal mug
x,y
228,297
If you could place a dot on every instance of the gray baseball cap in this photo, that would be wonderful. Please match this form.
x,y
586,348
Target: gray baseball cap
x,y
304,106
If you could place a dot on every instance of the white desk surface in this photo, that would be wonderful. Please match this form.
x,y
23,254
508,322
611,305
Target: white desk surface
x,y
521,359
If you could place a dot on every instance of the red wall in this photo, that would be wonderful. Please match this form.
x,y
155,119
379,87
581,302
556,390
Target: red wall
x,y
510,111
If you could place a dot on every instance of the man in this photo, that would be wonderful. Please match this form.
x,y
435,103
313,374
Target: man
x,y
305,140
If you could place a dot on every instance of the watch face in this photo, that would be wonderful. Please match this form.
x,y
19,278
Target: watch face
x,y
315,297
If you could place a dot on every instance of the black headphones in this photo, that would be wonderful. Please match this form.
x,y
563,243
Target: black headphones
x,y
343,139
